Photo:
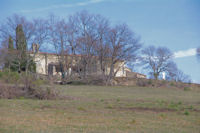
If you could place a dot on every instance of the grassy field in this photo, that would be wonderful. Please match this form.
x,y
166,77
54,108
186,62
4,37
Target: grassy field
x,y
96,109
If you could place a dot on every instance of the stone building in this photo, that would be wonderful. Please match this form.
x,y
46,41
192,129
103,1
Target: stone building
x,y
48,64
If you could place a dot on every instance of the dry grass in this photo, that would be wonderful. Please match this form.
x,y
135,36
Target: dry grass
x,y
105,109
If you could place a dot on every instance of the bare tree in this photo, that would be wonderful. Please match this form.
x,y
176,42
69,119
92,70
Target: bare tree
x,y
181,77
39,37
8,28
171,71
123,47
175,74
87,40
40,34
58,37
92,38
156,60
73,35
102,47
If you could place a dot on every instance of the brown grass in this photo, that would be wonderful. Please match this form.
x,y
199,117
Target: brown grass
x,y
100,109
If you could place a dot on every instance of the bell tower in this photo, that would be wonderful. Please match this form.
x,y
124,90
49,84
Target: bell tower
x,y
35,48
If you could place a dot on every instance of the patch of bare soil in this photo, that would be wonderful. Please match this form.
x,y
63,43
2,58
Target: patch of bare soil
x,y
196,110
71,98
142,109
155,110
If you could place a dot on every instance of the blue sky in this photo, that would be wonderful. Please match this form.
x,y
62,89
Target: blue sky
x,y
171,23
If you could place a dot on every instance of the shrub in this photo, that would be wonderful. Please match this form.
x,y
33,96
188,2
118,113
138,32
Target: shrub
x,y
1,74
186,113
39,82
21,97
191,107
133,121
14,77
32,87
172,84
118,100
179,102
102,100
109,107
173,105
163,116
164,82
44,93
142,83
9,77
150,82
10,92
186,88
81,109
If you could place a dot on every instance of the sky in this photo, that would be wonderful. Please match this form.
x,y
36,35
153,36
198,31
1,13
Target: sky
x,y
171,23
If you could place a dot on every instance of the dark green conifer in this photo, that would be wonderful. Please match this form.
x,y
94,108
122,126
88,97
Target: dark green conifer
x,y
21,46
21,41
10,43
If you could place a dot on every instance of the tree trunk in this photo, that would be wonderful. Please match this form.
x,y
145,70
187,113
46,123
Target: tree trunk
x,y
110,76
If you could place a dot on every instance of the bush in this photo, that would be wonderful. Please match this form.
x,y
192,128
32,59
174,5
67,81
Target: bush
x,y
15,66
81,109
133,121
150,82
164,82
44,93
39,82
186,88
142,83
172,84
1,74
31,87
10,92
9,77
186,113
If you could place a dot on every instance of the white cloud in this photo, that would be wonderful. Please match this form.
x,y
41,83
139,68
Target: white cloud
x,y
85,3
185,53
196,81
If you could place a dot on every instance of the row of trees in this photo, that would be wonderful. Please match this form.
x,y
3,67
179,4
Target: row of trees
x,y
92,36
88,35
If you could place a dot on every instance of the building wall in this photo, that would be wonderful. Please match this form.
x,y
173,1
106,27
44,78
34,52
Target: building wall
x,y
40,64
121,69
43,60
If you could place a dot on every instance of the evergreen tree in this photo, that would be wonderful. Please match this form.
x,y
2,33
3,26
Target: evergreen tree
x,y
10,43
21,48
21,41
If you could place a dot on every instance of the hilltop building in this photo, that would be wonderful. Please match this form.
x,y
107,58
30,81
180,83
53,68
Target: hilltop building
x,y
48,64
